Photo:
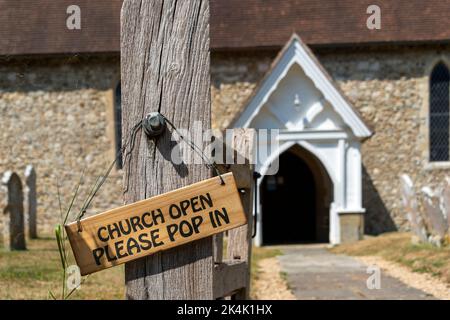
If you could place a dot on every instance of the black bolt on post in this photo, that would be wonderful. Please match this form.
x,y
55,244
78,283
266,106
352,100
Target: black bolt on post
x,y
154,124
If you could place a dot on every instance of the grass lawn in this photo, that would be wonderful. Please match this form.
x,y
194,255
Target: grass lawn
x,y
397,247
31,274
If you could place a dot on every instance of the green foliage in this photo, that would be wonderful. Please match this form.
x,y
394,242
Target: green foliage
x,y
30,274
27,273
61,240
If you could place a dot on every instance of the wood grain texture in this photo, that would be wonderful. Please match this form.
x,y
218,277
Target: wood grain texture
x,y
165,67
239,242
162,222
240,239
229,278
218,247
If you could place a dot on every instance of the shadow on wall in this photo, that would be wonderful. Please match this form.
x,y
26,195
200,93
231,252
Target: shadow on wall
x,y
377,219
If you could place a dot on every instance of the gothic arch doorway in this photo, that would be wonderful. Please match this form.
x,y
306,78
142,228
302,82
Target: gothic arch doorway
x,y
296,201
298,98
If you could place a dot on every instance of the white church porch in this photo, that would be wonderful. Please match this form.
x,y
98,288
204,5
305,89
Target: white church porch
x,y
299,98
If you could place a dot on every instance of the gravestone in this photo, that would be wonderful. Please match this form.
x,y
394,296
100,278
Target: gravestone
x,y
13,219
434,217
446,202
411,207
31,202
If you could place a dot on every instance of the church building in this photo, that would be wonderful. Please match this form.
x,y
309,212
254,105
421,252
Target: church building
x,y
355,107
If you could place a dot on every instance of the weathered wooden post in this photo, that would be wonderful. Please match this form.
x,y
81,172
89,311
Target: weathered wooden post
x,y
31,202
13,220
165,68
232,274
240,239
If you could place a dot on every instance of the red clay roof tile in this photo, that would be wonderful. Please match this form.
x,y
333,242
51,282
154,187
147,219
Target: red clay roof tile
x,y
39,26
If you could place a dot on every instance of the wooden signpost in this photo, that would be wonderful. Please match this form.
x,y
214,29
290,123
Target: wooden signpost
x,y
165,68
165,60
159,223
166,240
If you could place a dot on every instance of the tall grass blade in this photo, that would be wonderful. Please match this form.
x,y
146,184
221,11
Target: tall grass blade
x,y
60,244
75,195
51,295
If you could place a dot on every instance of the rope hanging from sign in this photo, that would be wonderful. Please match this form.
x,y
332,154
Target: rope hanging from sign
x,y
101,179
208,162
153,126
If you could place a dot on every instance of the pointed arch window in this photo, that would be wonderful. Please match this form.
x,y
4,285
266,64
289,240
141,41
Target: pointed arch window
x,y
118,123
439,113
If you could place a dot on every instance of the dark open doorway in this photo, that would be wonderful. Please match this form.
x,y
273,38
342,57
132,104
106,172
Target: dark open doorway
x,y
296,201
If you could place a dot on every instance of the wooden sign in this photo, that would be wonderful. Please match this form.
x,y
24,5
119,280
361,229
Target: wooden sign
x,y
159,223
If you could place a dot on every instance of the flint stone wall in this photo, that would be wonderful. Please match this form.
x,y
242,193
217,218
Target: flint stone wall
x,y
55,115
389,88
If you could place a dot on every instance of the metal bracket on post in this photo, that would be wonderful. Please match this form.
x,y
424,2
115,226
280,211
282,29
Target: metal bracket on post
x,y
154,124
256,176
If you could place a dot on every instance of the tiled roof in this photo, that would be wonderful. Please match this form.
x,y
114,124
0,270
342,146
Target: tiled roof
x,y
39,26
256,23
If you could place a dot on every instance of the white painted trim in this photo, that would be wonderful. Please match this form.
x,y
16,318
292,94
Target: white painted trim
x,y
320,142
338,178
304,144
437,165
315,110
296,53
335,227
358,177
324,135
334,236
264,92
425,115
323,83
342,173
279,117
350,210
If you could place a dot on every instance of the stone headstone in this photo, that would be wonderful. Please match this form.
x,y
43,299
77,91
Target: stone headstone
x,y
13,218
412,209
446,202
31,202
437,224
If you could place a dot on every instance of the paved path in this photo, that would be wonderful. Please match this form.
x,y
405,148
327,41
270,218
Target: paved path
x,y
314,273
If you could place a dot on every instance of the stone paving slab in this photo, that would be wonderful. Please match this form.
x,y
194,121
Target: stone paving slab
x,y
314,273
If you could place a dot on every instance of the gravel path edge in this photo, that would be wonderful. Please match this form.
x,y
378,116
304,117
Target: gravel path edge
x,y
421,281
